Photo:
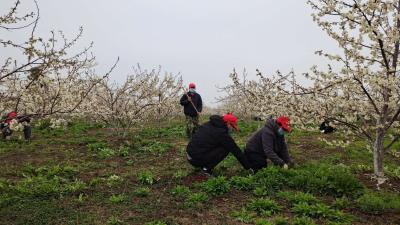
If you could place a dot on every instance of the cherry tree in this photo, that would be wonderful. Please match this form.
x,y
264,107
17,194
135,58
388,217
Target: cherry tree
x,y
48,77
58,92
144,96
360,91
268,96
238,97
364,94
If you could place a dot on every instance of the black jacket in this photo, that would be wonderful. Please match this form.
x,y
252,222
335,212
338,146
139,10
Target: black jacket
x,y
212,135
325,128
188,107
267,144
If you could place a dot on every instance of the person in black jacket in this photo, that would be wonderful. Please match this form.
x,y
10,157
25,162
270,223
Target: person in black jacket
x,y
269,143
193,105
212,143
326,128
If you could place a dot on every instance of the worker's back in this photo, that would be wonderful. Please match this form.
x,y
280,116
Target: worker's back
x,y
207,137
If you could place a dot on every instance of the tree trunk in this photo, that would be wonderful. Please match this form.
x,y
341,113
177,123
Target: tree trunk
x,y
379,153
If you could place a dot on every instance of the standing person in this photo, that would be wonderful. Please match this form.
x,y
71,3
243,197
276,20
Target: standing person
x,y
192,107
269,143
212,143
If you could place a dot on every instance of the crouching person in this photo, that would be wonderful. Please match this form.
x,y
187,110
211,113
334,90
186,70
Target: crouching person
x,y
212,143
325,128
12,122
269,143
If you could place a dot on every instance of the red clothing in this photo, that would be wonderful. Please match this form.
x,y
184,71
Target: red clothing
x,y
10,116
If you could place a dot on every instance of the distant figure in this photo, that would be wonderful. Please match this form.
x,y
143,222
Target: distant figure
x,y
269,143
325,128
257,118
10,121
193,105
212,143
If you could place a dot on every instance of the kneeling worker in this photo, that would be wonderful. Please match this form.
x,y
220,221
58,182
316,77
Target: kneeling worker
x,y
269,143
212,143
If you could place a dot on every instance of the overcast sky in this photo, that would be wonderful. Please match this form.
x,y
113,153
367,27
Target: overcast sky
x,y
201,39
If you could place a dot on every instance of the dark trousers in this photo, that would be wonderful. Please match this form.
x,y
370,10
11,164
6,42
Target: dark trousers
x,y
6,131
210,159
192,124
257,161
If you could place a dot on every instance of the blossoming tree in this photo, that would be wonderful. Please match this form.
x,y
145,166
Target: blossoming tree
x,y
46,76
145,95
364,94
360,91
265,97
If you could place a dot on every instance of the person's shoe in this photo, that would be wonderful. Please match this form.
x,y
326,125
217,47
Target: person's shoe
x,y
206,171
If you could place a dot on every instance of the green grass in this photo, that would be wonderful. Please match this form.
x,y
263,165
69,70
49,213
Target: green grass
x,y
45,211
326,179
180,191
142,192
243,183
90,174
264,206
216,186
157,222
117,198
195,200
146,177
263,222
244,216
297,197
379,202
303,221
320,210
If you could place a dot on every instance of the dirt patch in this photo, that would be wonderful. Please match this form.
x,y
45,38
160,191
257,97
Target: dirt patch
x,y
306,152
389,218
391,184
194,178
19,158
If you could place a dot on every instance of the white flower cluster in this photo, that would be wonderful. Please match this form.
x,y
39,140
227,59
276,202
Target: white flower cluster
x,y
16,126
337,143
58,123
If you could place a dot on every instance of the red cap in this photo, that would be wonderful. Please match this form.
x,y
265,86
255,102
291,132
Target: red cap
x,y
10,116
231,119
192,85
283,122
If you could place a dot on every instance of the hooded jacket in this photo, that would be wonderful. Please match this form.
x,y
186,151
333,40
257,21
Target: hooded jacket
x,y
188,109
267,144
212,135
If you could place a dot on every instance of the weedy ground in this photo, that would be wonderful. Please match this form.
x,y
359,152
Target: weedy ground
x,y
88,174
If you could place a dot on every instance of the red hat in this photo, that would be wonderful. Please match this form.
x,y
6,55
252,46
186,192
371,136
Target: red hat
x,y
283,122
10,116
192,85
229,118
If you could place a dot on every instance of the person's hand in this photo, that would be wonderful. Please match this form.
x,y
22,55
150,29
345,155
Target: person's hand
x,y
251,171
189,98
285,166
